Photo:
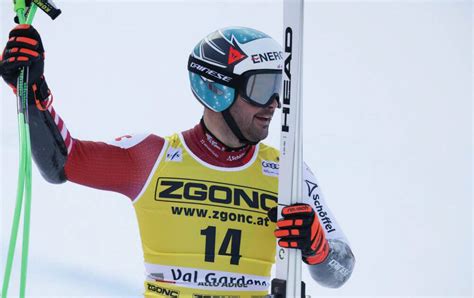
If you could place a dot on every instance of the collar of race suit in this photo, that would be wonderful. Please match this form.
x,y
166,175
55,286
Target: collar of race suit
x,y
207,147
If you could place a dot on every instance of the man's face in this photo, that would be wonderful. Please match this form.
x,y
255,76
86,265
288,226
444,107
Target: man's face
x,y
253,121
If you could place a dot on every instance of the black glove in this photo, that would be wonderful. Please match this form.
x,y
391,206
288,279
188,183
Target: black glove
x,y
300,228
24,48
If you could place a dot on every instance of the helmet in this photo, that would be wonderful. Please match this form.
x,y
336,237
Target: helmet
x,y
235,61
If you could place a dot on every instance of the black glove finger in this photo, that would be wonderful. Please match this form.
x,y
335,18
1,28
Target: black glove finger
x,y
295,222
292,243
14,63
25,43
24,30
297,211
10,76
26,34
11,71
289,233
21,52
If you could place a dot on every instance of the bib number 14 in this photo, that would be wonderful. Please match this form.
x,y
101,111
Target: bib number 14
x,y
231,241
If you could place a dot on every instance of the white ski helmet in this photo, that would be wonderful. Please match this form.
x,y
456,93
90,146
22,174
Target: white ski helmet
x,y
236,61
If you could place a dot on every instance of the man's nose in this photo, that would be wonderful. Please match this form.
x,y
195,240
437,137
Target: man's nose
x,y
275,103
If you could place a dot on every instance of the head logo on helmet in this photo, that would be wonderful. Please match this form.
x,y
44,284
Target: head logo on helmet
x,y
235,61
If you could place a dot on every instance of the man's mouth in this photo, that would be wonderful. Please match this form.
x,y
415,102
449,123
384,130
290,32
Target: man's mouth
x,y
264,118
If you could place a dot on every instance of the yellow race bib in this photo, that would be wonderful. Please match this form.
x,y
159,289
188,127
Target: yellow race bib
x,y
205,229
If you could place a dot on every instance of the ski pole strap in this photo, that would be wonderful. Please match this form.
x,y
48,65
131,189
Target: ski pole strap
x,y
42,95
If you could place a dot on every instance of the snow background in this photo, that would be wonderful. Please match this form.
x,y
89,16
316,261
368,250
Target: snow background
x,y
387,128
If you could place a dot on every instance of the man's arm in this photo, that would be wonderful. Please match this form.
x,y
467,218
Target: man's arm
x,y
336,269
122,166
48,146
338,266
311,227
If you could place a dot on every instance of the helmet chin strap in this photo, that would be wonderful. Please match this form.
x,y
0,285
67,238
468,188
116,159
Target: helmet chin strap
x,y
235,128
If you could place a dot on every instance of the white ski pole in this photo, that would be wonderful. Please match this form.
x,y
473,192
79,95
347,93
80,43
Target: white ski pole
x,y
288,266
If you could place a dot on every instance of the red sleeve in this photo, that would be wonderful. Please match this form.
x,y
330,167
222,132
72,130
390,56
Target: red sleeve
x,y
114,168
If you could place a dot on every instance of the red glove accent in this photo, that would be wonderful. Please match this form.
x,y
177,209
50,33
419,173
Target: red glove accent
x,y
300,228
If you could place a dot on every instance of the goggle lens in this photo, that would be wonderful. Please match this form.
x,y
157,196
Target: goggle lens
x,y
261,88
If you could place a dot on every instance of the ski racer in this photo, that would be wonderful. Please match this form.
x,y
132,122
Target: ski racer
x,y
204,198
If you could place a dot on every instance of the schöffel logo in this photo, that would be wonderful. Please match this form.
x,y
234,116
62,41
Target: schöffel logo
x,y
163,291
181,190
270,168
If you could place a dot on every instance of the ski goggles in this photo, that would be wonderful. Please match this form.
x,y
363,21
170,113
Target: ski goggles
x,y
258,87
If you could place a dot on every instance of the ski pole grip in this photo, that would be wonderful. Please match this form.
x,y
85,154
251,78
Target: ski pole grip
x,y
48,7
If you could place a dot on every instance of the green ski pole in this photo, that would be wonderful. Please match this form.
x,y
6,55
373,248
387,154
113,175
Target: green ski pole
x,y
24,172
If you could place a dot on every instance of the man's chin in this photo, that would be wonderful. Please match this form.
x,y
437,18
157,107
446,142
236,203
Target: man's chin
x,y
260,137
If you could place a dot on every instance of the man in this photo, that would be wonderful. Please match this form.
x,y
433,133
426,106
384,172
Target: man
x,y
205,198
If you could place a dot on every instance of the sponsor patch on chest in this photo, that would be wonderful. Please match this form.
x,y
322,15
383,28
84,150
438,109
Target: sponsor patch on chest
x,y
183,190
174,154
270,168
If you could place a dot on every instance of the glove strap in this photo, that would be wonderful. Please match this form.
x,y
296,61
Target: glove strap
x,y
319,257
42,95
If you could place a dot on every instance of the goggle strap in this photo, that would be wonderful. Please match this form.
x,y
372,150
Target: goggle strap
x,y
212,72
